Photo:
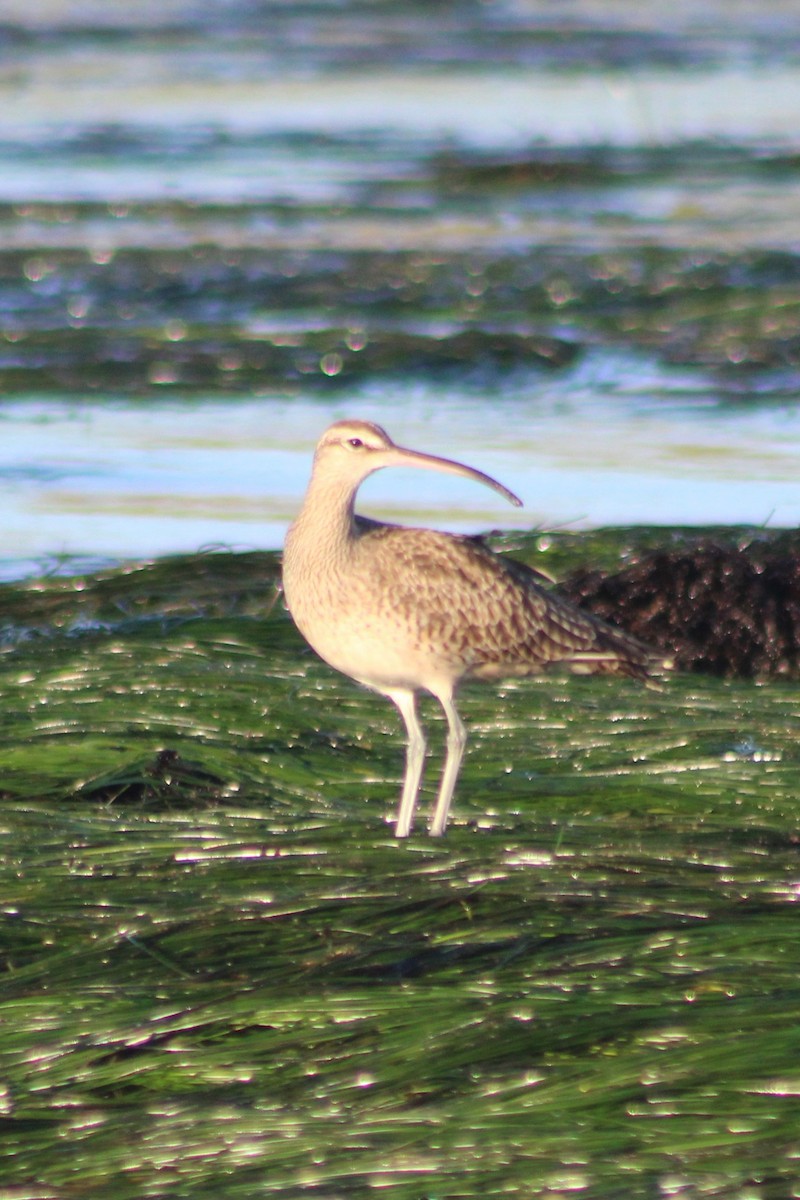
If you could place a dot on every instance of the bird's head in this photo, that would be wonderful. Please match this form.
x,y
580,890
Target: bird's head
x,y
351,450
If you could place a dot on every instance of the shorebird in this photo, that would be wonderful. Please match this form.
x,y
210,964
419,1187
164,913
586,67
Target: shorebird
x,y
403,610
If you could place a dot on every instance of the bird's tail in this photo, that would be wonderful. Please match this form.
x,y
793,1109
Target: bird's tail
x,y
608,650
614,652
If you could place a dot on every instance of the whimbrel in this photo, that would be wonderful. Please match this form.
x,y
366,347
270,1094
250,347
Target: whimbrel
x,y
404,610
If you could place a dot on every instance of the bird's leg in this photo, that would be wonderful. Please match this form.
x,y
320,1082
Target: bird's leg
x,y
456,741
415,760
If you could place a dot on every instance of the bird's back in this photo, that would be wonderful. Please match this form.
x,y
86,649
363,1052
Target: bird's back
x,y
488,613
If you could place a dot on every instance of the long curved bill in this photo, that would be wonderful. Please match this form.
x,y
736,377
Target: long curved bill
x,y
400,456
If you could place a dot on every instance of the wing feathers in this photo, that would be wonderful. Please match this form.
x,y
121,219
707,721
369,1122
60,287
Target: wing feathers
x,y
488,612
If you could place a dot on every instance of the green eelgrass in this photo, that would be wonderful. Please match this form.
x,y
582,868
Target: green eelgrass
x,y
223,977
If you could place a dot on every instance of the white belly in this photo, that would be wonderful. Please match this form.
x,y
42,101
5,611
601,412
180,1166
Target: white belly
x,y
380,653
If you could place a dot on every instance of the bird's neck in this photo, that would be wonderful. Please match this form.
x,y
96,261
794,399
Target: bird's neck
x,y
326,518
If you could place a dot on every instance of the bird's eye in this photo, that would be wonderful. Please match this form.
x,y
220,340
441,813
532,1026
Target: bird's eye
x,y
356,443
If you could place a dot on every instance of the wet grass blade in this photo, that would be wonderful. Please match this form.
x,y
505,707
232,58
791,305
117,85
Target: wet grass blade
x,y
222,977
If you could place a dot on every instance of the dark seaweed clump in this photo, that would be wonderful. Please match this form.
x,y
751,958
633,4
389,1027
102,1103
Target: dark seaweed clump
x,y
732,611
165,781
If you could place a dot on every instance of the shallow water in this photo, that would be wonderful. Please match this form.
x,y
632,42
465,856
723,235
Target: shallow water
x,y
585,448
203,211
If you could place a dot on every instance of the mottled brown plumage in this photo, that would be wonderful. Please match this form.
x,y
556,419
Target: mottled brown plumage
x,y
402,610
